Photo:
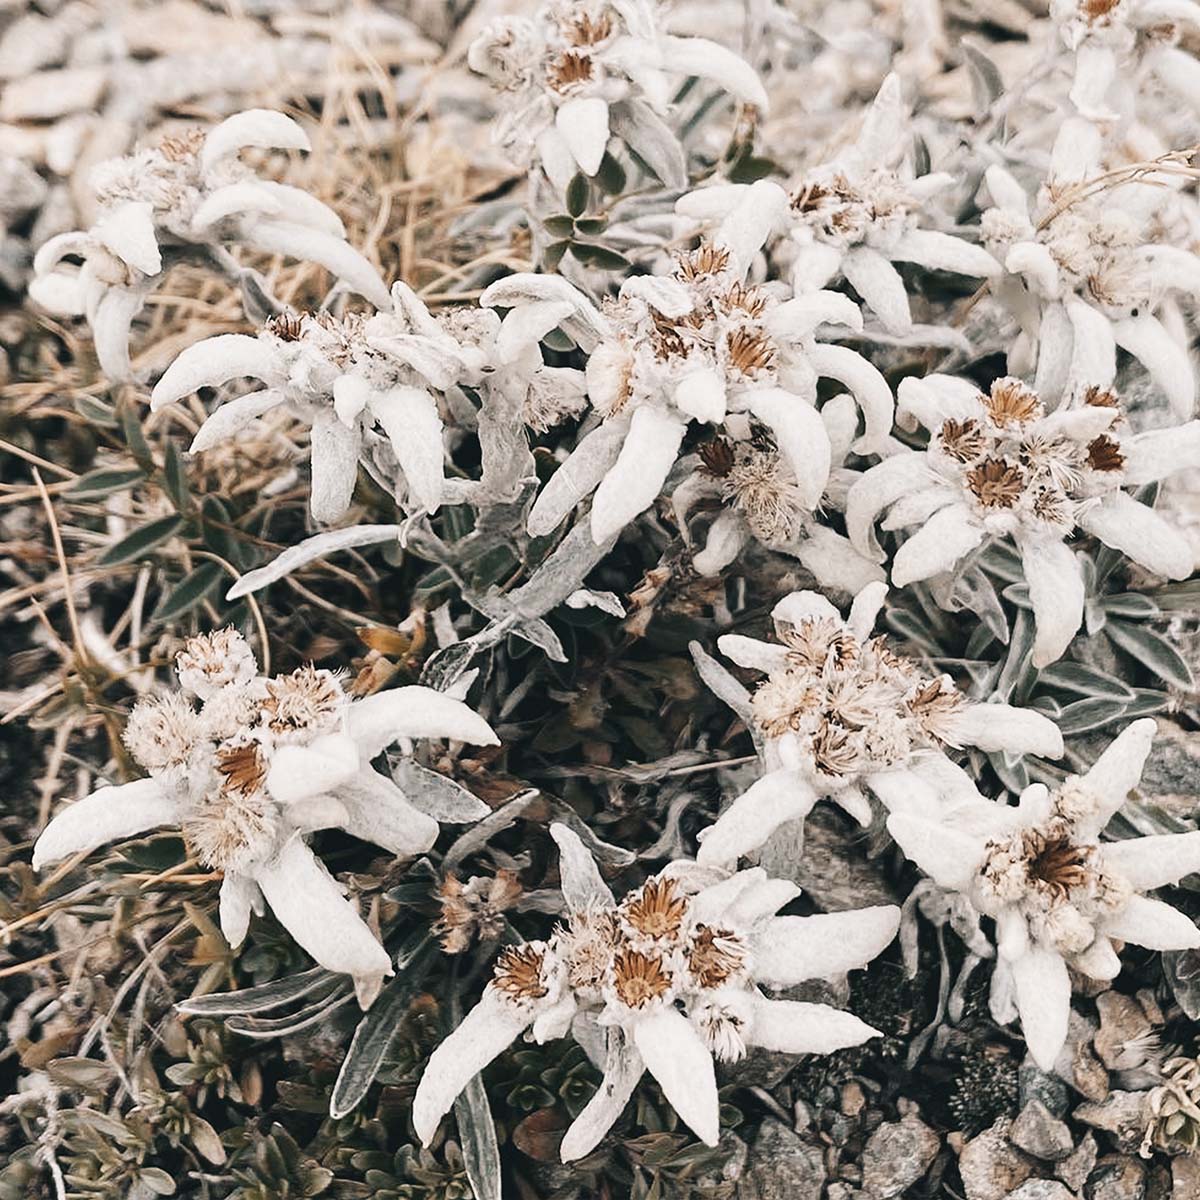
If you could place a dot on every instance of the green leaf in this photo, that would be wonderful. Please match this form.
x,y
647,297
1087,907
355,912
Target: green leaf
x,y
142,541
263,998
1130,604
175,479
216,526
1094,713
553,253
592,226
559,227
96,411
105,481
371,1040
577,195
611,177
750,168
1084,680
477,1133
599,256
1153,651
135,437
196,586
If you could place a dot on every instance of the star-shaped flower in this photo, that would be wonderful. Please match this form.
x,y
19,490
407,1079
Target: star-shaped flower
x,y
699,345
671,978
852,217
1086,274
190,191
580,72
255,766
999,465
1060,896
839,715
346,377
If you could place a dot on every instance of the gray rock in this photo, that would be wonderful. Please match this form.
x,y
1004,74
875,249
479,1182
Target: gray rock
x,y
1077,1064
1049,1090
897,1155
1171,779
833,869
1118,1177
1038,1132
782,1166
1185,1177
1122,1114
990,1166
1041,1189
1126,1033
1075,1170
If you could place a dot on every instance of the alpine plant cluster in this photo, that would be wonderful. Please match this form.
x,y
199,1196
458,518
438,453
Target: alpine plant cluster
x,y
878,343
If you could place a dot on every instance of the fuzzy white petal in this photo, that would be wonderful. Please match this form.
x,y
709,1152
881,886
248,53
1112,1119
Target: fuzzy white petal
x,y
308,902
756,814
760,211
582,886
678,1059
1155,861
303,208
335,254
111,323
1055,345
334,463
261,127
1043,992
410,419
235,199
711,60
232,417
865,609
801,437
790,950
299,772
1116,772
1152,924
700,396
374,722
905,791
797,1027
582,472
1034,260
377,811
1140,534
636,478
128,231
868,386
948,536
1006,192
623,1068
944,252
995,728
796,607
879,284
752,653
582,123
835,563
1161,452
878,487
935,399
950,858
1056,591
802,314
237,898
1094,350
723,543
486,1031
1163,357
106,815
217,360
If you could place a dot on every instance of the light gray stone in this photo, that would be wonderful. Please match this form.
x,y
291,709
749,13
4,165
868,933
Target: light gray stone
x,y
1118,1177
1042,1189
1122,1114
897,1155
1038,1132
990,1166
1074,1171
782,1166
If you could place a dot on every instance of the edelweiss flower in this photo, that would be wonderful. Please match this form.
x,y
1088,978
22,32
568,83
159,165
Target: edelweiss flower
x,y
1059,896
259,764
189,191
1111,37
344,376
582,71
745,471
998,466
1085,277
839,715
672,975
851,217
700,345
